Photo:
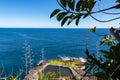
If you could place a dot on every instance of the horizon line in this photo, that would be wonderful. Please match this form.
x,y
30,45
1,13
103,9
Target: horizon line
x,y
54,27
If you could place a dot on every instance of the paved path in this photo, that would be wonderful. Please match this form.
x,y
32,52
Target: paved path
x,y
33,73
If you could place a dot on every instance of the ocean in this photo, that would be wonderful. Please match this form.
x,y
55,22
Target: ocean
x,y
66,43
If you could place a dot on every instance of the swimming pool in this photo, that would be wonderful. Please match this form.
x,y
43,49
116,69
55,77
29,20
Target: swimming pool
x,y
63,71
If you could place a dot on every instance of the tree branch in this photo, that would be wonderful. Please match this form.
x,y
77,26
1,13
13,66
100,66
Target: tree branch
x,y
105,20
83,13
114,71
111,13
105,9
69,10
99,8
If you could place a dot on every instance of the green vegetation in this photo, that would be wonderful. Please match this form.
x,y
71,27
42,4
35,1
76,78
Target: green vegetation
x,y
75,64
12,78
110,67
74,10
51,76
48,76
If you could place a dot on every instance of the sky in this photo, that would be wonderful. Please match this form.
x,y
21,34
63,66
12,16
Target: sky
x,y
35,14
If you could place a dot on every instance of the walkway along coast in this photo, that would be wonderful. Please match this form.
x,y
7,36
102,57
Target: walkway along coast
x,y
33,73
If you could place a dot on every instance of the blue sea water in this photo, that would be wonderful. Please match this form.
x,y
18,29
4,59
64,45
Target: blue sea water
x,y
56,42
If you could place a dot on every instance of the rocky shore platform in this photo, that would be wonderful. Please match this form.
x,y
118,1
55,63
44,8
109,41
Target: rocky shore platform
x,y
76,69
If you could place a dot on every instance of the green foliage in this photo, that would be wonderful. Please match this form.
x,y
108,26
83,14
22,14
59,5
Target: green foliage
x,y
51,76
101,75
114,53
70,63
73,11
12,78
93,29
64,20
110,66
108,40
90,67
71,4
54,12
118,1
64,3
48,76
117,6
40,76
61,15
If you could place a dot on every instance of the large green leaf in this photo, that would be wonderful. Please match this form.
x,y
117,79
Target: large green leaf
x,y
117,6
78,5
71,4
107,54
115,50
84,5
54,12
77,21
64,3
64,20
72,17
93,29
118,1
61,15
91,3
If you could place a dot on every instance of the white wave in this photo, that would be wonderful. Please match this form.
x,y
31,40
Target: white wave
x,y
65,58
69,58
82,59
82,67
